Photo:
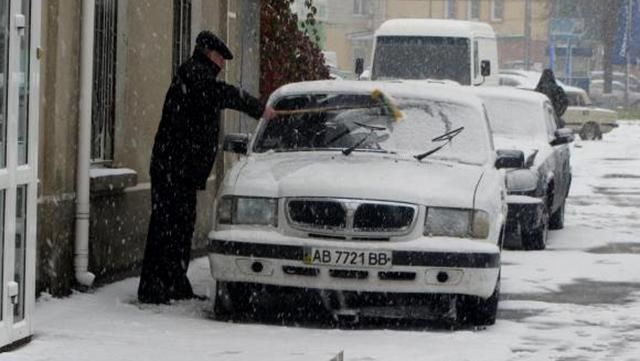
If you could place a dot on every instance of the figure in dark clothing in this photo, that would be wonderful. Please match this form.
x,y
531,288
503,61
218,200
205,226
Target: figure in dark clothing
x,y
549,87
183,154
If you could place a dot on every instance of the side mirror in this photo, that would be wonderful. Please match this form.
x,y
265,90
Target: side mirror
x,y
509,159
562,136
359,66
236,143
485,68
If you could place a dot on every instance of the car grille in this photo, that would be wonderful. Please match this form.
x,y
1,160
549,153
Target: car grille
x,y
350,219
382,217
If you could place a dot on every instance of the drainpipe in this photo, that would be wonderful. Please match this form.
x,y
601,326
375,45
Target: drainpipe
x,y
81,247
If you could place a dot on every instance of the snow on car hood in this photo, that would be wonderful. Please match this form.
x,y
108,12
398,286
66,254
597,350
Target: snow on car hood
x,y
359,175
591,108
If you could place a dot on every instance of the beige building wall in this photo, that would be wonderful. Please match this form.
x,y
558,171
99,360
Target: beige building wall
x,y
118,221
337,41
510,29
144,78
409,9
59,98
511,23
58,136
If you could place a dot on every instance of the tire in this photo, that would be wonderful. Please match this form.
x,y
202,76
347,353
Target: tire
x,y
556,221
476,311
232,300
591,131
535,238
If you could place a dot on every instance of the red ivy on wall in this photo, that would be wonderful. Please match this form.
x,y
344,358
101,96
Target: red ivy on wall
x,y
286,54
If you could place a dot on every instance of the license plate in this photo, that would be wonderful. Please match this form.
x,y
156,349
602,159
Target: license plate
x,y
347,258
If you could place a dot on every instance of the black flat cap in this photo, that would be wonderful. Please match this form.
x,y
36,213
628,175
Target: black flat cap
x,y
208,40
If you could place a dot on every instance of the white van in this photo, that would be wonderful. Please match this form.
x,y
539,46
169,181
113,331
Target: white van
x,y
463,51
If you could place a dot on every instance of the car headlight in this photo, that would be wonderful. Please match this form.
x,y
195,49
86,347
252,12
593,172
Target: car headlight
x,y
454,222
247,210
521,180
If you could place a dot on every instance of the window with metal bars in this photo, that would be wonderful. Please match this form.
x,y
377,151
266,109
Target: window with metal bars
x,y
181,32
104,80
497,10
474,10
450,9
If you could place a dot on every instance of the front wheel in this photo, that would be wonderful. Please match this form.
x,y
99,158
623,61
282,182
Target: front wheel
x,y
591,131
232,299
557,218
535,238
476,311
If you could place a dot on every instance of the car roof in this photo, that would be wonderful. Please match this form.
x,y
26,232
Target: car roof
x,y
433,27
423,89
532,76
511,93
573,89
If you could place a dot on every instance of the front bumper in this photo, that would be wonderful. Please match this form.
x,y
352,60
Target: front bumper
x,y
421,271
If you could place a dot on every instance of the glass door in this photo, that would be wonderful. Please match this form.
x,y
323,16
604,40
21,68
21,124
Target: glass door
x,y
5,230
19,93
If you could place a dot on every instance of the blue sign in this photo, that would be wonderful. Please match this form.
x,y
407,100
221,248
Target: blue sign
x,y
625,39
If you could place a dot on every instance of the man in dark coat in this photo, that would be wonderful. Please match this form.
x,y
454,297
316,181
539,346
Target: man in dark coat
x,y
183,154
549,87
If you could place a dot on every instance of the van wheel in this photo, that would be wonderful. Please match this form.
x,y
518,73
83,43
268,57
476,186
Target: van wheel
x,y
557,218
591,131
476,311
535,238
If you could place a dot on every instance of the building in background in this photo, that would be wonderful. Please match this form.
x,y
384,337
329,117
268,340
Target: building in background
x,y
350,25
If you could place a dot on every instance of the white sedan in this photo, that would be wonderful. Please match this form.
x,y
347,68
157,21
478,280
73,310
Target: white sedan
x,y
364,205
525,120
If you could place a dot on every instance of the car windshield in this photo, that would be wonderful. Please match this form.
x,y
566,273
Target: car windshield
x,y
335,122
527,122
415,57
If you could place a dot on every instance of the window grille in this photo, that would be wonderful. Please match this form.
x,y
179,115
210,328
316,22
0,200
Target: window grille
x,y
474,9
181,32
497,10
104,81
450,9
361,7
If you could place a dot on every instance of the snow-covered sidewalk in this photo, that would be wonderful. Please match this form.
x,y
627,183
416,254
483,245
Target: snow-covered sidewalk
x,y
577,300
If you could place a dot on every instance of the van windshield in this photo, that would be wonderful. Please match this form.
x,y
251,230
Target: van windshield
x,y
418,57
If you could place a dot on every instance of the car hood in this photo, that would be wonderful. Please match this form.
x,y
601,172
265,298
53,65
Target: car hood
x,y
359,175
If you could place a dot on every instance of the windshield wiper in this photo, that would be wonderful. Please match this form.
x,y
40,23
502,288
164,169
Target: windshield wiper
x,y
372,129
441,138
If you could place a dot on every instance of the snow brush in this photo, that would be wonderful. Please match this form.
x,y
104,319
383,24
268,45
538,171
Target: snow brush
x,y
378,96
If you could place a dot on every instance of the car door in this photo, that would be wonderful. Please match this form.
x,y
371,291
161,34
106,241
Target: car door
x,y
561,165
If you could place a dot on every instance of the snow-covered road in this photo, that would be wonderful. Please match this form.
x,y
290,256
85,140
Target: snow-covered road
x,y
577,300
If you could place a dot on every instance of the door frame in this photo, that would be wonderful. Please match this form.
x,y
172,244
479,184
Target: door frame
x,y
21,175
